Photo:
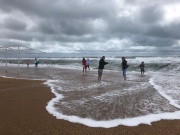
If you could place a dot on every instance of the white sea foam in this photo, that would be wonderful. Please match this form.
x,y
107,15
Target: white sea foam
x,y
161,91
113,123
147,119
155,60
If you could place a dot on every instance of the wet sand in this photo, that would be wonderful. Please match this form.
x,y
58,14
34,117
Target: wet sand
x,y
23,112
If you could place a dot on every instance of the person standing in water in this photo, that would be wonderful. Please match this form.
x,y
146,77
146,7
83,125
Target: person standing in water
x,y
102,63
141,66
27,62
88,62
36,62
84,65
124,67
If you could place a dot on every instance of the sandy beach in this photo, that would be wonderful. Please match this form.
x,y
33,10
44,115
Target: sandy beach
x,y
23,112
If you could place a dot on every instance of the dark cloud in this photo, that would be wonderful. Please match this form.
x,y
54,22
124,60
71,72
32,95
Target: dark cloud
x,y
168,31
14,24
151,14
15,35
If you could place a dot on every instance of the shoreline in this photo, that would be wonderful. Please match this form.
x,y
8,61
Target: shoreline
x,y
23,111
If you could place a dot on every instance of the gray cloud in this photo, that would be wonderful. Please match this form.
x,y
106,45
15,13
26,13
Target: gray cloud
x,y
14,24
169,31
151,14
131,25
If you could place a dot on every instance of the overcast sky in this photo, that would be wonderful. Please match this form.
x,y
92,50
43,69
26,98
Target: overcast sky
x,y
80,25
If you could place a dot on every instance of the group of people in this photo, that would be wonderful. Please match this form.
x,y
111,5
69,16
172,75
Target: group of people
x,y
86,65
102,63
35,62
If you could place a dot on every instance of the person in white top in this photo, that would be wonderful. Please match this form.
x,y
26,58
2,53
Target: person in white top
x,y
88,62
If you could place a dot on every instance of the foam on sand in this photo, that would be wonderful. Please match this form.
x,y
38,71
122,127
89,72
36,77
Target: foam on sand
x,y
160,90
146,119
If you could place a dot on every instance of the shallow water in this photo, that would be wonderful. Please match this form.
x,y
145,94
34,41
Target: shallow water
x,y
80,98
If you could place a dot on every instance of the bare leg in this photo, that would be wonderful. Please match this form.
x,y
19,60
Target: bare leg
x,y
86,70
99,77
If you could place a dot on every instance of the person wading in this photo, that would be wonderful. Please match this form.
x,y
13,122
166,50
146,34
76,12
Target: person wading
x,y
102,63
124,67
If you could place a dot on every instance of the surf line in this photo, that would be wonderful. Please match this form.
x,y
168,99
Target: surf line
x,y
160,91
147,119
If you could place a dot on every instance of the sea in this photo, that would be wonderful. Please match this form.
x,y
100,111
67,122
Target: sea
x,y
81,98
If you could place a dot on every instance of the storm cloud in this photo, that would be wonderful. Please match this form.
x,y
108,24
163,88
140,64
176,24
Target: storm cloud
x,y
80,25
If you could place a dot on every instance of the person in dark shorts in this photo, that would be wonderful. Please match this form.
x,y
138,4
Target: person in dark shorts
x,y
141,66
102,63
124,67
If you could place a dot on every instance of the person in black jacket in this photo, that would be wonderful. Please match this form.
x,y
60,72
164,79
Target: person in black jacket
x,y
102,63
124,67
141,66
